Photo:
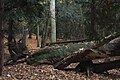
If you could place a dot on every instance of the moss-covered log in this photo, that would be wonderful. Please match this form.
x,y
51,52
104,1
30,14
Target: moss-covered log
x,y
53,54
71,52
62,56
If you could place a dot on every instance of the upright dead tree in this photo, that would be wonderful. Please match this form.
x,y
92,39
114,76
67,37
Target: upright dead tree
x,y
1,37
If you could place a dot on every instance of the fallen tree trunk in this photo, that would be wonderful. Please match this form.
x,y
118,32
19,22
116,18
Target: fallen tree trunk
x,y
107,39
82,55
53,54
66,42
89,67
63,56
99,68
70,53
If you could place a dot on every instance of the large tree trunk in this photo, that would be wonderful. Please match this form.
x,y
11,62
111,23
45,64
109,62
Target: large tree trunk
x,y
1,37
53,21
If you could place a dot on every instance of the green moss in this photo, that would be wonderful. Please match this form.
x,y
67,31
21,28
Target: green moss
x,y
50,53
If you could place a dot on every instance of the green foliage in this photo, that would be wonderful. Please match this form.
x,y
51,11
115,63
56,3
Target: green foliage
x,y
55,52
17,9
73,16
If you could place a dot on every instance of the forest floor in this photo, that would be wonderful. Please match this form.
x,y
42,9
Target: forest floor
x,y
24,71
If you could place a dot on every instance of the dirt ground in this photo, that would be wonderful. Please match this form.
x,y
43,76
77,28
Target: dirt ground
x,y
24,71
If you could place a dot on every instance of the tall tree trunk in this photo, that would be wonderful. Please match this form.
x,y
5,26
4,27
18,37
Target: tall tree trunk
x,y
44,35
38,36
53,21
1,37
82,21
93,33
24,37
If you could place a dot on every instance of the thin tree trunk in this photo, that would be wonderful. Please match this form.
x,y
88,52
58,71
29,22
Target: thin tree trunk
x,y
44,35
38,36
93,33
1,37
82,21
24,38
30,34
53,21
10,38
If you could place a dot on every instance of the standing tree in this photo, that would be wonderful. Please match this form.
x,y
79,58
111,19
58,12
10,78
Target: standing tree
x,y
53,21
38,36
1,37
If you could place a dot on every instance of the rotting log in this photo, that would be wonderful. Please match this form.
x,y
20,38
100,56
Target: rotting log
x,y
80,54
72,51
103,67
107,39
99,67
66,42
84,55
89,67
53,54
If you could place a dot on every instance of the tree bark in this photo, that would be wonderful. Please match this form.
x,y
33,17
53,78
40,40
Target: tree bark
x,y
44,35
79,56
24,37
10,38
93,33
53,21
30,34
99,68
1,37
38,36
89,67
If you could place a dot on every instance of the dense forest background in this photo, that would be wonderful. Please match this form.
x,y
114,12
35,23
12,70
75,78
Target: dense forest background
x,y
75,19
63,32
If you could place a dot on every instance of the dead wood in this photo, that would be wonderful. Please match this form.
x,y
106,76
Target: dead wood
x,y
84,55
79,56
89,67
66,42
107,39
